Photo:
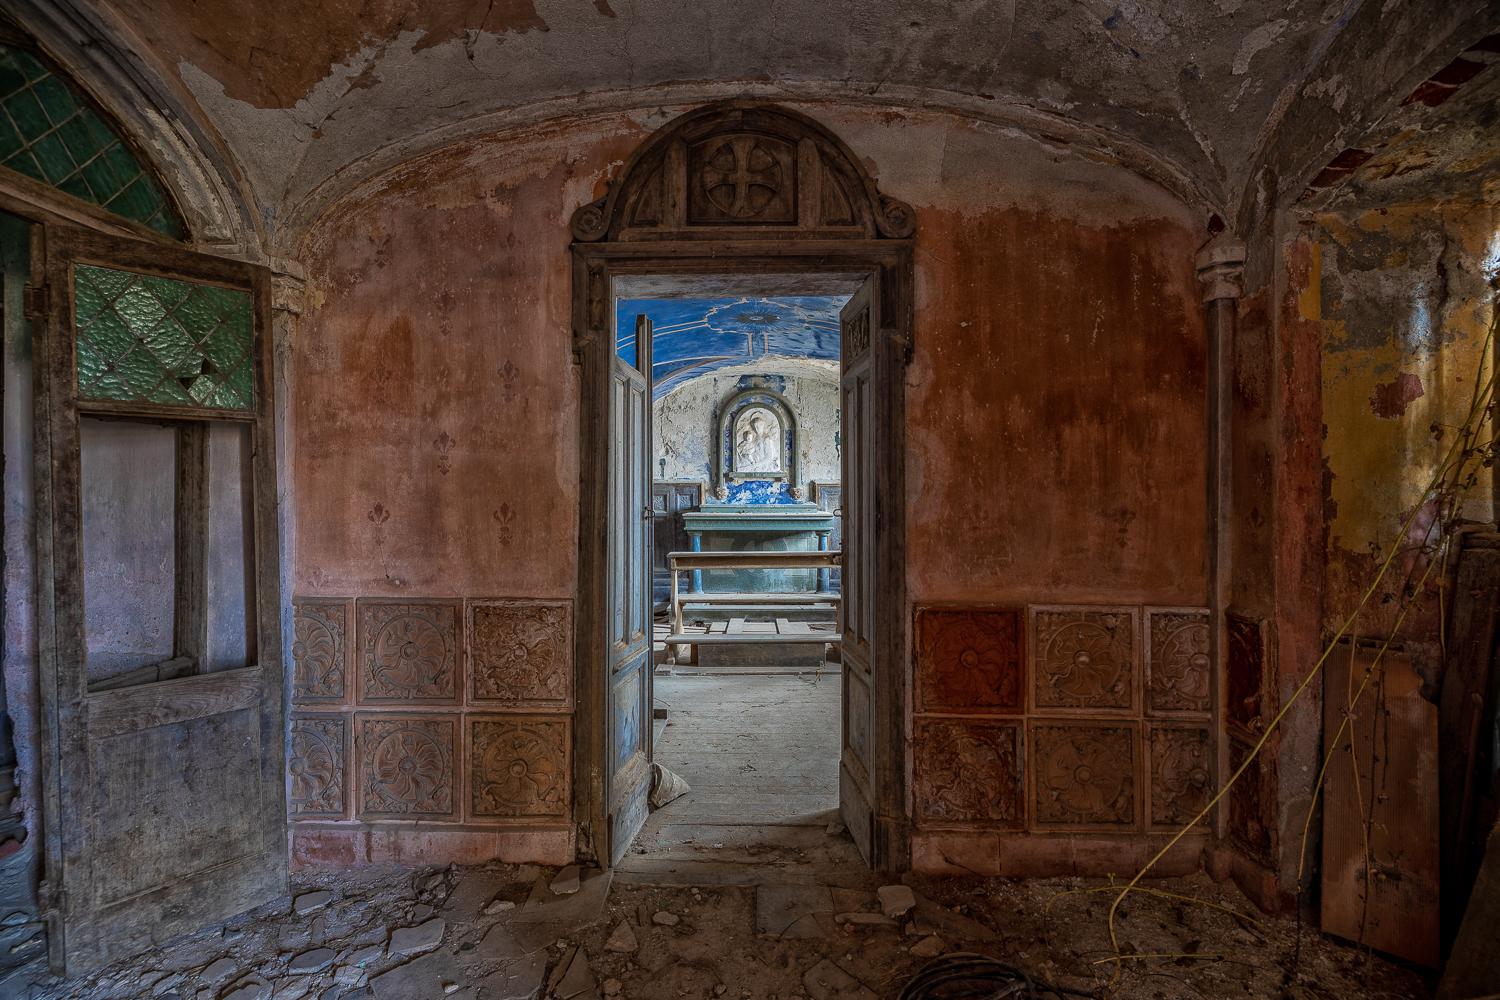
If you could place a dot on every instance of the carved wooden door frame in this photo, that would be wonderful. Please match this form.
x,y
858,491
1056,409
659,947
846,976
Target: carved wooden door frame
x,y
745,188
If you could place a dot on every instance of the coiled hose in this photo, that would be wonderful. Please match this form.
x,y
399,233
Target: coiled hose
x,y
966,976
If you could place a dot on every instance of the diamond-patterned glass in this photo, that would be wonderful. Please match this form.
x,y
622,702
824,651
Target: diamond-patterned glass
x,y
50,135
159,340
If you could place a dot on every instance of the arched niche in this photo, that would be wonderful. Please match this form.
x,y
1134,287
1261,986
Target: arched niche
x,y
729,467
740,170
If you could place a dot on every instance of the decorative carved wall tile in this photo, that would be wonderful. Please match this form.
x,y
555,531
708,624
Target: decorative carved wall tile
x,y
1084,658
970,661
1177,664
1084,773
406,767
318,631
518,767
521,653
1245,670
1181,774
742,178
316,759
967,772
408,651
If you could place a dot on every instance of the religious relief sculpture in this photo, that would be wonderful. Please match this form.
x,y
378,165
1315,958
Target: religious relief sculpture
x,y
757,441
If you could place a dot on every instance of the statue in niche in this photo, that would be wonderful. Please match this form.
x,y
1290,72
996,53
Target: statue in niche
x,y
757,441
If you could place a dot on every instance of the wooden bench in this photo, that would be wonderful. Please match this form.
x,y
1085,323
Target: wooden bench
x,y
786,632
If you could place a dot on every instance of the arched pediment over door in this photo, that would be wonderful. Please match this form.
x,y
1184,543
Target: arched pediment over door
x,y
743,171
747,199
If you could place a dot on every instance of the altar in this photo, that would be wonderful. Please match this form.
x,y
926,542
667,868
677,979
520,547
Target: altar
x,y
758,527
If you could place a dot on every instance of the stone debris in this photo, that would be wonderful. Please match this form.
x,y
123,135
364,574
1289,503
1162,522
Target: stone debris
x,y
243,991
499,906
451,988
612,987
560,970
423,937
826,981
792,911
835,829
309,901
312,961
666,919
499,945
867,919
421,911
930,918
365,955
567,881
433,882
578,978
896,900
518,981
218,970
622,940
928,947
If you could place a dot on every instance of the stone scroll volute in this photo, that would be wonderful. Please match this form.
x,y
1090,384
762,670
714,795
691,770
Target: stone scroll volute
x,y
743,170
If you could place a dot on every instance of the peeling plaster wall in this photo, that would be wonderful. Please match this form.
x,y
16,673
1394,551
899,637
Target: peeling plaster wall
x,y
1405,306
687,417
1056,401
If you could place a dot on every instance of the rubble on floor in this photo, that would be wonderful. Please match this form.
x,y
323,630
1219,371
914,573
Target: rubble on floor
x,y
442,934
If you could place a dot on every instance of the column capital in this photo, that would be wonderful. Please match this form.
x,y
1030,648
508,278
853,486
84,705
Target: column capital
x,y
1221,267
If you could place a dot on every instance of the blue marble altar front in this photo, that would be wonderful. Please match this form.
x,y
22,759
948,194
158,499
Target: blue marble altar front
x,y
762,525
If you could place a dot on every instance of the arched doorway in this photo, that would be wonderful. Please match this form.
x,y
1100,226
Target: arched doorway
x,y
741,188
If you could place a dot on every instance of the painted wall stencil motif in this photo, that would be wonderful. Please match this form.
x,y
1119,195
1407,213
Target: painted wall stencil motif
x,y
1084,657
444,445
521,652
967,772
505,517
970,661
1181,774
408,652
757,441
519,767
318,630
1178,663
1084,774
315,765
508,375
1245,670
406,767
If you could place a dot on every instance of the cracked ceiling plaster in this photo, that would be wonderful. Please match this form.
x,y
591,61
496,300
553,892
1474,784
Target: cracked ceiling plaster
x,y
308,94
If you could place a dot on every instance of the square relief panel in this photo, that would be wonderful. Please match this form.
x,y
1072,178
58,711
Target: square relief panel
x,y
1084,658
518,766
1084,774
1177,664
408,652
406,767
521,653
319,629
1181,774
968,773
969,661
317,756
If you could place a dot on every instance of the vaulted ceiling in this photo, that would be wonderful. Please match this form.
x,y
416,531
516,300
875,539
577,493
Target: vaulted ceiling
x,y
1202,94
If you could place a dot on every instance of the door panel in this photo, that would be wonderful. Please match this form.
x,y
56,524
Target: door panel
x,y
629,592
856,778
165,795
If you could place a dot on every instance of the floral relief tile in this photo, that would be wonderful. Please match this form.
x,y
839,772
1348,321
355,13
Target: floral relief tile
x,y
318,633
317,753
968,772
1084,774
970,661
1181,774
1084,658
408,651
1177,664
406,767
520,653
519,766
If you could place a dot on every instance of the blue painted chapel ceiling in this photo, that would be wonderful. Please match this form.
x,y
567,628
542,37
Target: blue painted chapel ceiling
x,y
692,337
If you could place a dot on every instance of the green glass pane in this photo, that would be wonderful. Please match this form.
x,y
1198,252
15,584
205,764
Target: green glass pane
x,y
169,293
111,283
87,301
31,66
134,200
162,222
169,343
28,115
171,391
56,99
26,164
53,156
140,310
75,135
225,349
123,163
195,314
243,382
12,78
100,177
110,387
100,131
108,336
226,397
142,372
10,140
77,187
223,300
90,365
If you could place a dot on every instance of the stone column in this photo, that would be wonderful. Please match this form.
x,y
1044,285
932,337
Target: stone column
x,y
697,587
823,571
1221,268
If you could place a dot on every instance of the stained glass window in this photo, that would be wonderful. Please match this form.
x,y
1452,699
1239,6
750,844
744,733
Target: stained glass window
x,y
159,340
48,133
